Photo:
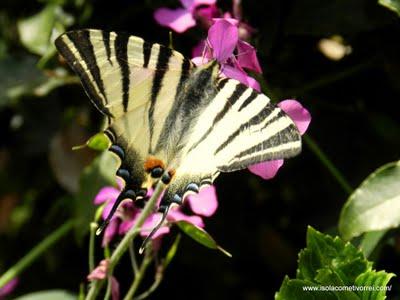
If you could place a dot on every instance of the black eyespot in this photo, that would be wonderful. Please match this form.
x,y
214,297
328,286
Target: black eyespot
x,y
124,173
130,194
162,208
192,187
177,199
118,151
141,193
166,178
157,172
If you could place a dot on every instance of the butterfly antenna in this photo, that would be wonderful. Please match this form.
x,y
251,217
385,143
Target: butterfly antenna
x,y
117,202
155,229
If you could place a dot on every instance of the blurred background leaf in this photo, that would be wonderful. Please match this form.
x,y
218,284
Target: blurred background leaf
x,y
393,5
375,205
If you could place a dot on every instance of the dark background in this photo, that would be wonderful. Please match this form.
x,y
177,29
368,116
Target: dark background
x,y
355,121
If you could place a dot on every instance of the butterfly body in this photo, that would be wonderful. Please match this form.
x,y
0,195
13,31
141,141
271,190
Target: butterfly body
x,y
169,120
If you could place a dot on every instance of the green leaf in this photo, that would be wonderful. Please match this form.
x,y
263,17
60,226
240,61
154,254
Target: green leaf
x,y
297,289
100,173
393,5
98,142
201,236
35,31
172,251
374,280
370,240
343,259
330,268
48,295
375,205
18,77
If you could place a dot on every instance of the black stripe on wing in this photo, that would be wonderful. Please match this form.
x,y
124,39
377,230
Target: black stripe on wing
x,y
257,119
121,49
161,69
76,65
107,46
237,93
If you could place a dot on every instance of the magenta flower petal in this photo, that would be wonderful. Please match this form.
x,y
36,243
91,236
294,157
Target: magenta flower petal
x,y
179,19
266,169
188,4
114,288
107,209
100,272
204,203
175,215
152,222
297,113
198,50
235,73
8,288
227,17
106,194
247,57
222,37
110,231
205,14
201,2
251,82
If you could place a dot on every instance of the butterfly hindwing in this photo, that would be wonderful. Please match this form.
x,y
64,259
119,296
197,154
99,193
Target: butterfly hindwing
x,y
237,128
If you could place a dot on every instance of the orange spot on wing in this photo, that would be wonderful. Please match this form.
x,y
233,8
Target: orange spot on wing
x,y
171,172
153,162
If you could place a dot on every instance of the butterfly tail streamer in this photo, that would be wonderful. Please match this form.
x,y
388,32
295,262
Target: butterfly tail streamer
x,y
123,195
155,229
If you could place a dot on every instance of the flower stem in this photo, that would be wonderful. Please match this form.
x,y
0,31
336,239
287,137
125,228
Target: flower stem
x,y
124,244
38,250
139,275
133,259
152,288
93,228
328,164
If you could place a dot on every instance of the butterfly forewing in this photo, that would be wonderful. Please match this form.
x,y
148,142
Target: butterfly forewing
x,y
122,72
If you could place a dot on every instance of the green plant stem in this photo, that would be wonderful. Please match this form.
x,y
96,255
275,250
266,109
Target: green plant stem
x,y
93,228
38,250
108,290
139,275
152,288
124,244
133,259
328,164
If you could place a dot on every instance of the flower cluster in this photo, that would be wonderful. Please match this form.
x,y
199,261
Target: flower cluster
x,y
227,42
203,204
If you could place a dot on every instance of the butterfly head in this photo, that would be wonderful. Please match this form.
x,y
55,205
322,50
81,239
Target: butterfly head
x,y
212,66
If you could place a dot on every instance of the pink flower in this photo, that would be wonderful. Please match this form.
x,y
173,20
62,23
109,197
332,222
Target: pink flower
x,y
302,119
223,40
100,273
8,288
181,19
203,204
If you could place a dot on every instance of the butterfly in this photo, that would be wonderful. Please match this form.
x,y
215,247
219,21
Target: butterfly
x,y
170,121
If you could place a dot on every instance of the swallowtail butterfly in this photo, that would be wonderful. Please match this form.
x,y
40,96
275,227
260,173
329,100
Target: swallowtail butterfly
x,y
169,120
